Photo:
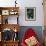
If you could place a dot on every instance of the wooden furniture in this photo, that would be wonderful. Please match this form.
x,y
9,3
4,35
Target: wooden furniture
x,y
44,12
0,43
5,12
10,43
11,26
8,11
44,21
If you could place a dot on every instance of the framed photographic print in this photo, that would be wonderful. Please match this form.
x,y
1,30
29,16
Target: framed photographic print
x,y
5,12
30,13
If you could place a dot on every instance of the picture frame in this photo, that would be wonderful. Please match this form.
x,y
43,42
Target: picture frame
x,y
30,13
5,12
13,12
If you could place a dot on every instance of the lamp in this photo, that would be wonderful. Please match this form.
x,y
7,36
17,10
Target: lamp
x,y
15,30
15,35
15,3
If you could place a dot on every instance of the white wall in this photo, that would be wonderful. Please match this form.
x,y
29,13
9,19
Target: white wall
x,y
27,3
39,13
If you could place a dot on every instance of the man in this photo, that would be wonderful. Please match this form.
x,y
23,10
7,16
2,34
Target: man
x,y
30,38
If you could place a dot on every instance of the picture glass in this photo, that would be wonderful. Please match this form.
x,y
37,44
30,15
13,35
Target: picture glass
x,y
30,13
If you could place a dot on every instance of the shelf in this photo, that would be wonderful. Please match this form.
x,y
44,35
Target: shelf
x,y
5,12
6,24
9,10
11,41
11,26
5,8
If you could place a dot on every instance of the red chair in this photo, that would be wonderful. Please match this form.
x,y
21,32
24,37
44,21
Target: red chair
x,y
29,33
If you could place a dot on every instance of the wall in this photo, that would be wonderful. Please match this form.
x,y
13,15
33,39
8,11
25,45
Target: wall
x,y
39,13
26,3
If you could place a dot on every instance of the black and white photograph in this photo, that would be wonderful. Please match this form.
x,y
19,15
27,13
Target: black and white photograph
x,y
30,13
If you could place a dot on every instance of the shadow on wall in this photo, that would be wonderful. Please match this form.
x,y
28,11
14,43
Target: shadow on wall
x,y
37,29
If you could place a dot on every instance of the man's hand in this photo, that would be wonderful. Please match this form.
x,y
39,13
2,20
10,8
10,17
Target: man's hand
x,y
31,41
